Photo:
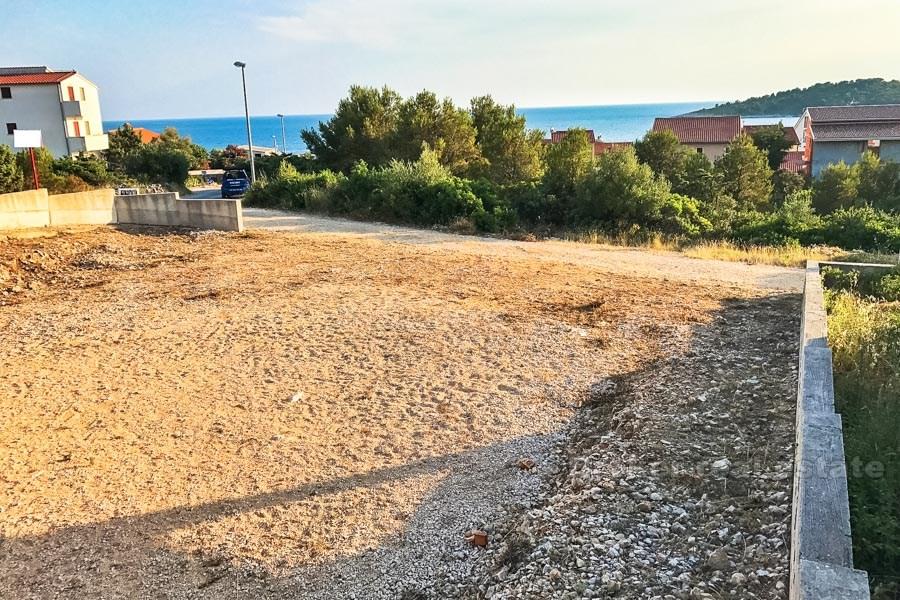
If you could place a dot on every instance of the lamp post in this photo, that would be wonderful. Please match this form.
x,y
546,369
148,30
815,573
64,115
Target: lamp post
x,y
283,142
241,66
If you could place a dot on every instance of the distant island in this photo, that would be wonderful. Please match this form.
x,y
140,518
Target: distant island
x,y
793,102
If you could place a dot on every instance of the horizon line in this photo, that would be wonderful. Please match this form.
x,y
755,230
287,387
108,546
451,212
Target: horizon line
x,y
253,116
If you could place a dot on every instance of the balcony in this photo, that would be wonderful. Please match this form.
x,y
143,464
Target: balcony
x,y
71,108
88,143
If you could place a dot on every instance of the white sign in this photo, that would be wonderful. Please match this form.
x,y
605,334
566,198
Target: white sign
x,y
27,138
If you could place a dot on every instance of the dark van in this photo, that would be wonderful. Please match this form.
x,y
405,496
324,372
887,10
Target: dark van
x,y
235,184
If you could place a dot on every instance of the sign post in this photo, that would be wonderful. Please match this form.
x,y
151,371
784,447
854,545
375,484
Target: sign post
x,y
31,139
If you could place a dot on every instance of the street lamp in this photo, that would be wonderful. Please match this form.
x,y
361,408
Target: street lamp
x,y
241,66
283,142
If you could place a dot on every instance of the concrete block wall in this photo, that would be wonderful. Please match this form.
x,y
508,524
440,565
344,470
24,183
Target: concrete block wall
x,y
169,210
821,546
24,210
93,207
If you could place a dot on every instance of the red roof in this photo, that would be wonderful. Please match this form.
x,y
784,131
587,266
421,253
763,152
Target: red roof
x,y
700,130
790,134
793,162
146,135
35,78
602,147
557,136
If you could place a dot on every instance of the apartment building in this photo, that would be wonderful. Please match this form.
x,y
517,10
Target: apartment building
x,y
64,105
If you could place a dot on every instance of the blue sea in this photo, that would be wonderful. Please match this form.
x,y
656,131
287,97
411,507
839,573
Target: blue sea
x,y
613,123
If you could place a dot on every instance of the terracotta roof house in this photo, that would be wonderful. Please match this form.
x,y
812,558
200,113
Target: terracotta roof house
x,y
832,134
790,134
63,105
708,135
146,135
603,147
558,136
600,147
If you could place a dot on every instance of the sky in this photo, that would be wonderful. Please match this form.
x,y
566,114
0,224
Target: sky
x,y
173,58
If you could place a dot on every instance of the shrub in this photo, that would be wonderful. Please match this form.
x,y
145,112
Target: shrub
x,y
865,339
862,228
794,222
835,188
89,169
11,178
158,163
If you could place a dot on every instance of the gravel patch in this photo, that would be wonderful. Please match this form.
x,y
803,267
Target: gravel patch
x,y
673,483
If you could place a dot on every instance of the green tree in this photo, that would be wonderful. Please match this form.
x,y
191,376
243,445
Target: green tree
x,y
122,143
771,140
837,186
786,183
568,163
662,152
362,128
622,190
11,179
446,129
513,154
699,178
159,163
197,155
879,182
745,174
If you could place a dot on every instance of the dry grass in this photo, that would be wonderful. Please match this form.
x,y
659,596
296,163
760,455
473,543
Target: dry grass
x,y
782,256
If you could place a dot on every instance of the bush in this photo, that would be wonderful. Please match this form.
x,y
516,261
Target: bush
x,y
158,163
89,169
865,339
11,177
835,188
794,222
862,228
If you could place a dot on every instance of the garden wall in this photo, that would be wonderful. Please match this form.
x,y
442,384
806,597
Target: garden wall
x,y
821,546
34,208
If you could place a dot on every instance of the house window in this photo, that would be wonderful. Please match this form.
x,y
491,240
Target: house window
x,y
10,127
699,150
71,91
82,93
87,128
77,127
5,93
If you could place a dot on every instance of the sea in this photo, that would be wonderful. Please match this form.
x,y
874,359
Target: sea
x,y
612,123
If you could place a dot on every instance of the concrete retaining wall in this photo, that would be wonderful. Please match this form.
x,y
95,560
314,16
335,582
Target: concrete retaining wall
x,y
93,207
821,546
34,208
22,210
170,210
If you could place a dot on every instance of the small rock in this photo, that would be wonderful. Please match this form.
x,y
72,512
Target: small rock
x,y
718,560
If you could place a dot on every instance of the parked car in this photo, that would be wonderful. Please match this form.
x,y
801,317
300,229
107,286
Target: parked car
x,y
235,184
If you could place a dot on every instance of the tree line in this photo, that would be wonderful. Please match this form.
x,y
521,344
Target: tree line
x,y
426,161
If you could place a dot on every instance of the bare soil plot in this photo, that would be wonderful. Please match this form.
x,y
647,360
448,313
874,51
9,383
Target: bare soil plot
x,y
290,415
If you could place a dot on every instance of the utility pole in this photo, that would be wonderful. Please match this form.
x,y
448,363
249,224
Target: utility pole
x,y
283,138
242,66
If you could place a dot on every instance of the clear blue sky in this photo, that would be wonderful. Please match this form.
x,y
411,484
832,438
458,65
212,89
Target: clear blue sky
x,y
173,58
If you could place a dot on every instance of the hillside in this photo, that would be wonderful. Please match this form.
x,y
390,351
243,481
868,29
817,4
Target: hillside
x,y
792,102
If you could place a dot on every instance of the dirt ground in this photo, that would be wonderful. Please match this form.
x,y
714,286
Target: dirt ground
x,y
251,415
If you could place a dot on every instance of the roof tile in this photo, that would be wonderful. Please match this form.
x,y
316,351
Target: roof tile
x,y
700,130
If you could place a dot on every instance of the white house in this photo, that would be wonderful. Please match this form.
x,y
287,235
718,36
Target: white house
x,y
707,135
62,104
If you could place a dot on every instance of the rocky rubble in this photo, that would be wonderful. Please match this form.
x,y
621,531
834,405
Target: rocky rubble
x,y
674,482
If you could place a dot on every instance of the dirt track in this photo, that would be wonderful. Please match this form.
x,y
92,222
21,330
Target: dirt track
x,y
231,415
